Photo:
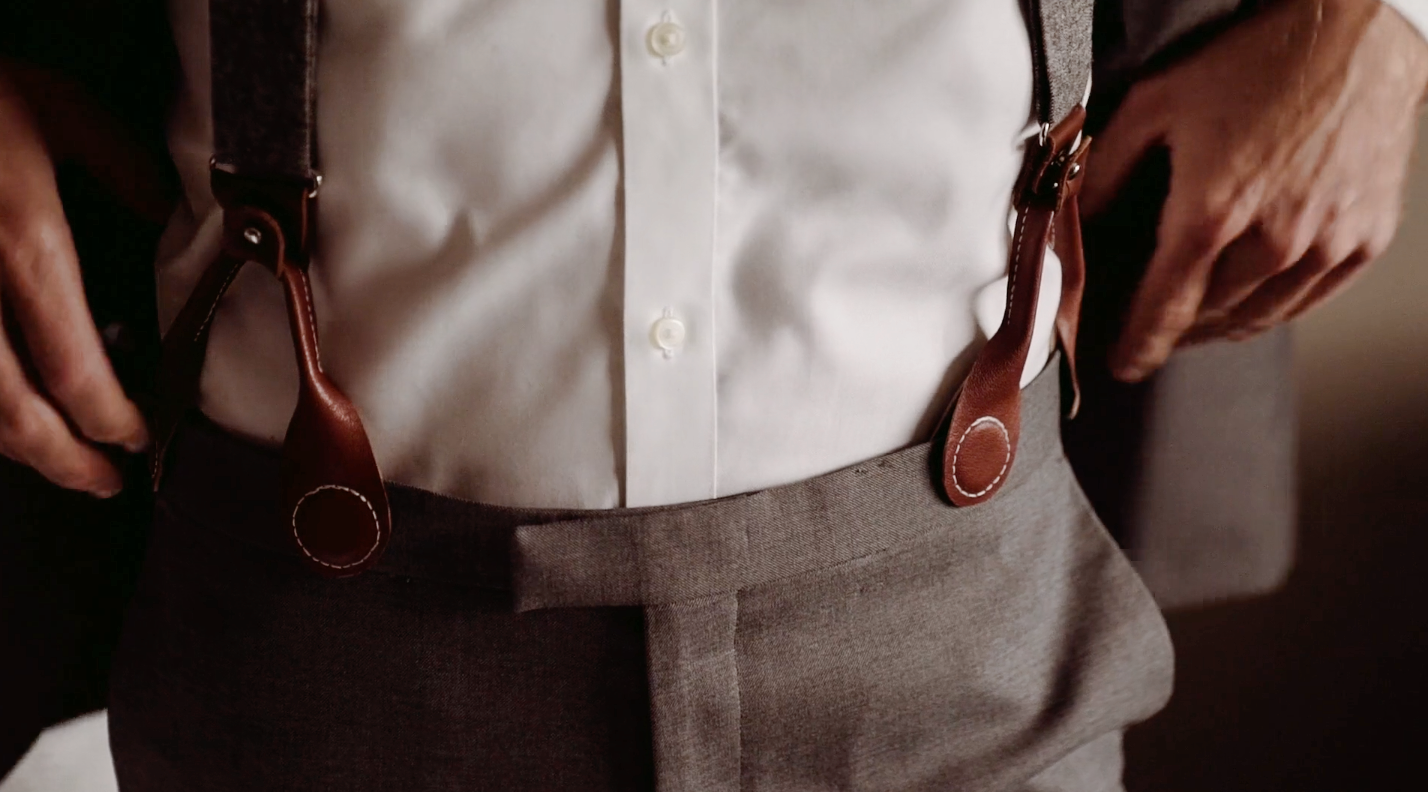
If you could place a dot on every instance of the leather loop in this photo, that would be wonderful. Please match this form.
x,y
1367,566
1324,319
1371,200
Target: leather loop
x,y
1067,244
333,496
982,426
335,503
181,357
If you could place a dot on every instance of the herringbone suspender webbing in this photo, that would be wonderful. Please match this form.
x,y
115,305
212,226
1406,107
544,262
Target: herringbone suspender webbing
x,y
264,55
1061,52
264,63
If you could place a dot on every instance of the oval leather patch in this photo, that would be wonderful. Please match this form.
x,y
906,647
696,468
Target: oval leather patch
x,y
981,457
336,527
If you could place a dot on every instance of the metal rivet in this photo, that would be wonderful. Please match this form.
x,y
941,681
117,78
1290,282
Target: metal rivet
x,y
1075,171
253,235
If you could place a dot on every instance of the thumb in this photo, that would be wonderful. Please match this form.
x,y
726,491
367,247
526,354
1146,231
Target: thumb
x,y
1138,124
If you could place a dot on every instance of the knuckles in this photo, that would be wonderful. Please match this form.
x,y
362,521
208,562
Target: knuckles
x,y
73,383
28,438
22,430
1179,314
27,254
1209,233
1289,241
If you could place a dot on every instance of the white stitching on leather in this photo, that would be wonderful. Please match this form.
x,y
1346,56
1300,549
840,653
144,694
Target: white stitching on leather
x,y
213,309
1015,262
375,521
312,318
1006,437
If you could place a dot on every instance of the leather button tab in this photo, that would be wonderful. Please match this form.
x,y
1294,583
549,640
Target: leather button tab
x,y
981,457
336,527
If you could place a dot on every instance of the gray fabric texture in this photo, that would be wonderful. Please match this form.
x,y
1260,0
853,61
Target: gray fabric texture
x,y
1216,496
1061,44
263,57
848,632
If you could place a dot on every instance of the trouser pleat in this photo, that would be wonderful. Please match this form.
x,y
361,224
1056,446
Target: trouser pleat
x,y
694,694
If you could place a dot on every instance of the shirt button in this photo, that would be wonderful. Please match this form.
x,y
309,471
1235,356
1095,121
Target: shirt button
x,y
668,334
666,39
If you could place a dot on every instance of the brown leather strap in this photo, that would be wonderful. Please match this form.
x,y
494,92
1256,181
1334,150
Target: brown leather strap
x,y
333,495
1066,241
181,358
983,424
334,501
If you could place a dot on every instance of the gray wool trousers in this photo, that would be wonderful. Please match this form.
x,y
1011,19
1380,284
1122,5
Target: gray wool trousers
x,y
849,632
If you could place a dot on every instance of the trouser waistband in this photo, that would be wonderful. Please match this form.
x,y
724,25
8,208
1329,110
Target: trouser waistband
x,y
644,556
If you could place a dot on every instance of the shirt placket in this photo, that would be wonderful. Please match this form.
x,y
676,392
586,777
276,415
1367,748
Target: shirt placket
x,y
668,69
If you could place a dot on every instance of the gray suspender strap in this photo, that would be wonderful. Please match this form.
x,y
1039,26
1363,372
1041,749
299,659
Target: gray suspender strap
x,y
263,66
1061,51
264,58
979,432
264,176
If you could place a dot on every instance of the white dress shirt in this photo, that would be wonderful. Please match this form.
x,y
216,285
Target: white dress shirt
x,y
634,252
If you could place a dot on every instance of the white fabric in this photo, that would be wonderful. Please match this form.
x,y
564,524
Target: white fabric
x,y
516,191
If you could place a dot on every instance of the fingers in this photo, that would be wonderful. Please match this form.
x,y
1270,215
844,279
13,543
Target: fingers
x,y
40,279
34,434
1269,304
1249,262
1137,125
1332,284
1168,300
1316,278
41,288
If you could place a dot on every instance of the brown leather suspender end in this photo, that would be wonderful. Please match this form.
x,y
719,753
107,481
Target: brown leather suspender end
x,y
980,431
333,497
264,55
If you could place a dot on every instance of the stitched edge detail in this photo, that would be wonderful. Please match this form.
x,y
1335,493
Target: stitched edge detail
x,y
1015,262
213,309
375,521
157,463
1006,439
312,318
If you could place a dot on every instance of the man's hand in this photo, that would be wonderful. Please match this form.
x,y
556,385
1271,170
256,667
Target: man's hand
x,y
1289,138
54,420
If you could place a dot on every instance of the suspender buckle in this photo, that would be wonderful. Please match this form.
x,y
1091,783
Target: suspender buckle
x,y
252,205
